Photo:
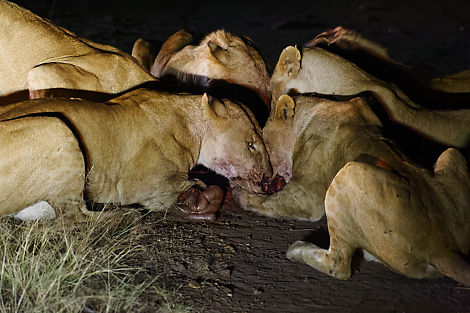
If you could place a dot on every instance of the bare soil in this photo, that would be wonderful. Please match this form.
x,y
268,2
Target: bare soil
x,y
238,263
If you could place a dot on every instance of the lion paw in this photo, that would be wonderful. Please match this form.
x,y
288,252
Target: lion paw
x,y
296,250
326,261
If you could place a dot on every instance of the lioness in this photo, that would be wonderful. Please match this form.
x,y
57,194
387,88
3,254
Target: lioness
x,y
374,59
314,69
336,160
137,148
220,61
38,55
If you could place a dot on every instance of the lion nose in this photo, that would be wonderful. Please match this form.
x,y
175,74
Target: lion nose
x,y
278,182
271,186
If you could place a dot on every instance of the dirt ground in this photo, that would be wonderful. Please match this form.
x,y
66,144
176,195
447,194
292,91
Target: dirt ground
x,y
238,263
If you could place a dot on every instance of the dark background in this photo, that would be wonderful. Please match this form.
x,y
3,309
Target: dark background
x,y
432,36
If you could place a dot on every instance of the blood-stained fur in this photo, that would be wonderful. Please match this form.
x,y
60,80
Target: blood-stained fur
x,y
335,159
134,149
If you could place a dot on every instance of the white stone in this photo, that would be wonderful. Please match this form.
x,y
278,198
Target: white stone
x,y
40,210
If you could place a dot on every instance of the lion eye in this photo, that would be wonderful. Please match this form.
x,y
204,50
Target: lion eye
x,y
251,145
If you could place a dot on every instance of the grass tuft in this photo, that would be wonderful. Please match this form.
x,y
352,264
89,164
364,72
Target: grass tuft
x,y
59,266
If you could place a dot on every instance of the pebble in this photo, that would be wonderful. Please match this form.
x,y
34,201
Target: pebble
x,y
194,284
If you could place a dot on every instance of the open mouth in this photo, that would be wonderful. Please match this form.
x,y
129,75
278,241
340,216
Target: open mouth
x,y
273,185
267,185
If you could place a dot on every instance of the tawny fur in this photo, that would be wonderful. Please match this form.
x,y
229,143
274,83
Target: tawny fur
x,y
336,160
315,70
137,148
143,53
36,55
41,160
349,40
459,82
220,55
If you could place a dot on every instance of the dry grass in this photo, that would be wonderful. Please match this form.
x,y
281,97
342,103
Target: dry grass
x,y
58,266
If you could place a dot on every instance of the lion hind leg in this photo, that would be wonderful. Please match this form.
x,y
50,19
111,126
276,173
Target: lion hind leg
x,y
453,266
41,160
336,261
60,75
350,40
44,211
451,170
83,211
459,82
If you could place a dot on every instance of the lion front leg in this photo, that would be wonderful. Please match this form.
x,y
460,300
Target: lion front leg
x,y
339,207
296,200
459,82
336,261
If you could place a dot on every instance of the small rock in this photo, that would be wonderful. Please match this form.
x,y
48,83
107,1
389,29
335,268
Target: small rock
x,y
225,272
230,248
87,309
194,284
258,291
181,267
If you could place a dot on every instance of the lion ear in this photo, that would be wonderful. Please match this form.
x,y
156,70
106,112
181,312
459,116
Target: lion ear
x,y
289,61
366,111
207,106
214,108
213,46
248,41
285,108
217,50
170,47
